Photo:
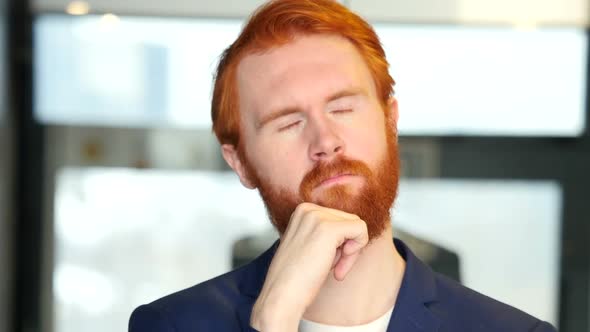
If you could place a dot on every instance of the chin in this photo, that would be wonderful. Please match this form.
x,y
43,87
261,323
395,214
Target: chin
x,y
339,197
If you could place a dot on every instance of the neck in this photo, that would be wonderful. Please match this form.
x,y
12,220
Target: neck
x,y
368,291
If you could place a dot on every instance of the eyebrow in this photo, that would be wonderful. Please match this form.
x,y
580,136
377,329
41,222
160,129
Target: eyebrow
x,y
351,92
275,115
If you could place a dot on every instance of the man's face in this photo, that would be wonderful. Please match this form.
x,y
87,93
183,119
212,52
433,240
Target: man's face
x,y
313,129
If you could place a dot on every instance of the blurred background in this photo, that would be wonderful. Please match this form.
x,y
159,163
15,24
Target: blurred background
x,y
113,192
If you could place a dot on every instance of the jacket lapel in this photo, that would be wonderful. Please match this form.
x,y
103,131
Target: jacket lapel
x,y
418,289
420,319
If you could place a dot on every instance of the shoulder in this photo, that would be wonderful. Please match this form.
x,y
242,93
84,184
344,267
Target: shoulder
x,y
205,305
219,304
463,307
454,307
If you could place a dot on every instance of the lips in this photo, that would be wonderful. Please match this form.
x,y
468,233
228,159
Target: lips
x,y
335,178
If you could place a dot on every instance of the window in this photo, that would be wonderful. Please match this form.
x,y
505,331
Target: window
x,y
134,71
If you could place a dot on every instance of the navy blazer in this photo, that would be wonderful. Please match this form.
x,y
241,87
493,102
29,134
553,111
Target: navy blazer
x,y
427,301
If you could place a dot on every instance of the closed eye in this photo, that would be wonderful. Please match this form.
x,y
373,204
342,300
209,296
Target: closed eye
x,y
342,111
289,126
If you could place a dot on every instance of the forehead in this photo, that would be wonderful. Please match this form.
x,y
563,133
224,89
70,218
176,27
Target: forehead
x,y
302,71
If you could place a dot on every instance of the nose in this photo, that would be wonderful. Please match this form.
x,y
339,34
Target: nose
x,y
325,144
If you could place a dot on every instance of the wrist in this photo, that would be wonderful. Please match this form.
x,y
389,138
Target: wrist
x,y
269,316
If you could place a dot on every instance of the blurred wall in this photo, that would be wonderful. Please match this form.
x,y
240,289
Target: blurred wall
x,y
522,12
514,12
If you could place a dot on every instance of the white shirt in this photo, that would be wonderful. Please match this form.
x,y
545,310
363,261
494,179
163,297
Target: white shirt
x,y
378,325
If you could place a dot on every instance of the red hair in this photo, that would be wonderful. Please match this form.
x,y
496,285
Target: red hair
x,y
275,24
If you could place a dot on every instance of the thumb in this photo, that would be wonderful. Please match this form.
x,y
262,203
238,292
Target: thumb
x,y
337,256
348,257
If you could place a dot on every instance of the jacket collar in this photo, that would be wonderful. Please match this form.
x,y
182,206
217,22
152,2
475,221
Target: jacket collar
x,y
410,314
418,289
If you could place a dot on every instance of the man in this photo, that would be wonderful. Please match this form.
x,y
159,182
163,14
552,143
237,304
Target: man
x,y
304,110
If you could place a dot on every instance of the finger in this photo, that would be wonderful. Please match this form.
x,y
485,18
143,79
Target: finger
x,y
306,206
352,230
344,265
339,213
350,247
337,256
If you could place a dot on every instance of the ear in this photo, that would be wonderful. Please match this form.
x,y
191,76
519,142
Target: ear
x,y
231,156
392,115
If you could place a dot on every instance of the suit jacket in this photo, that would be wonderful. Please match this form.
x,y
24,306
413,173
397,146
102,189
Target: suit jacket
x,y
427,301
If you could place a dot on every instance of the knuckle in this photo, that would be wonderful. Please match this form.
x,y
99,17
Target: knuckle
x,y
299,212
313,221
311,217
361,223
321,226
303,207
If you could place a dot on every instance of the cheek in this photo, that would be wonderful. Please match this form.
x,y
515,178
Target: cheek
x,y
368,143
280,166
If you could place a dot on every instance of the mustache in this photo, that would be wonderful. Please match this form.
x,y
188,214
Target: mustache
x,y
326,170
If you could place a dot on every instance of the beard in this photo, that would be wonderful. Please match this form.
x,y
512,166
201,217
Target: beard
x,y
371,203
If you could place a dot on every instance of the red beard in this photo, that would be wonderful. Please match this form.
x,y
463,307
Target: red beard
x,y
371,203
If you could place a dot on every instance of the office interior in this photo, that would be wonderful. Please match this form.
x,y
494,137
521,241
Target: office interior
x,y
113,192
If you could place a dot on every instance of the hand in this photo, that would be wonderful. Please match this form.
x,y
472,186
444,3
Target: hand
x,y
317,240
